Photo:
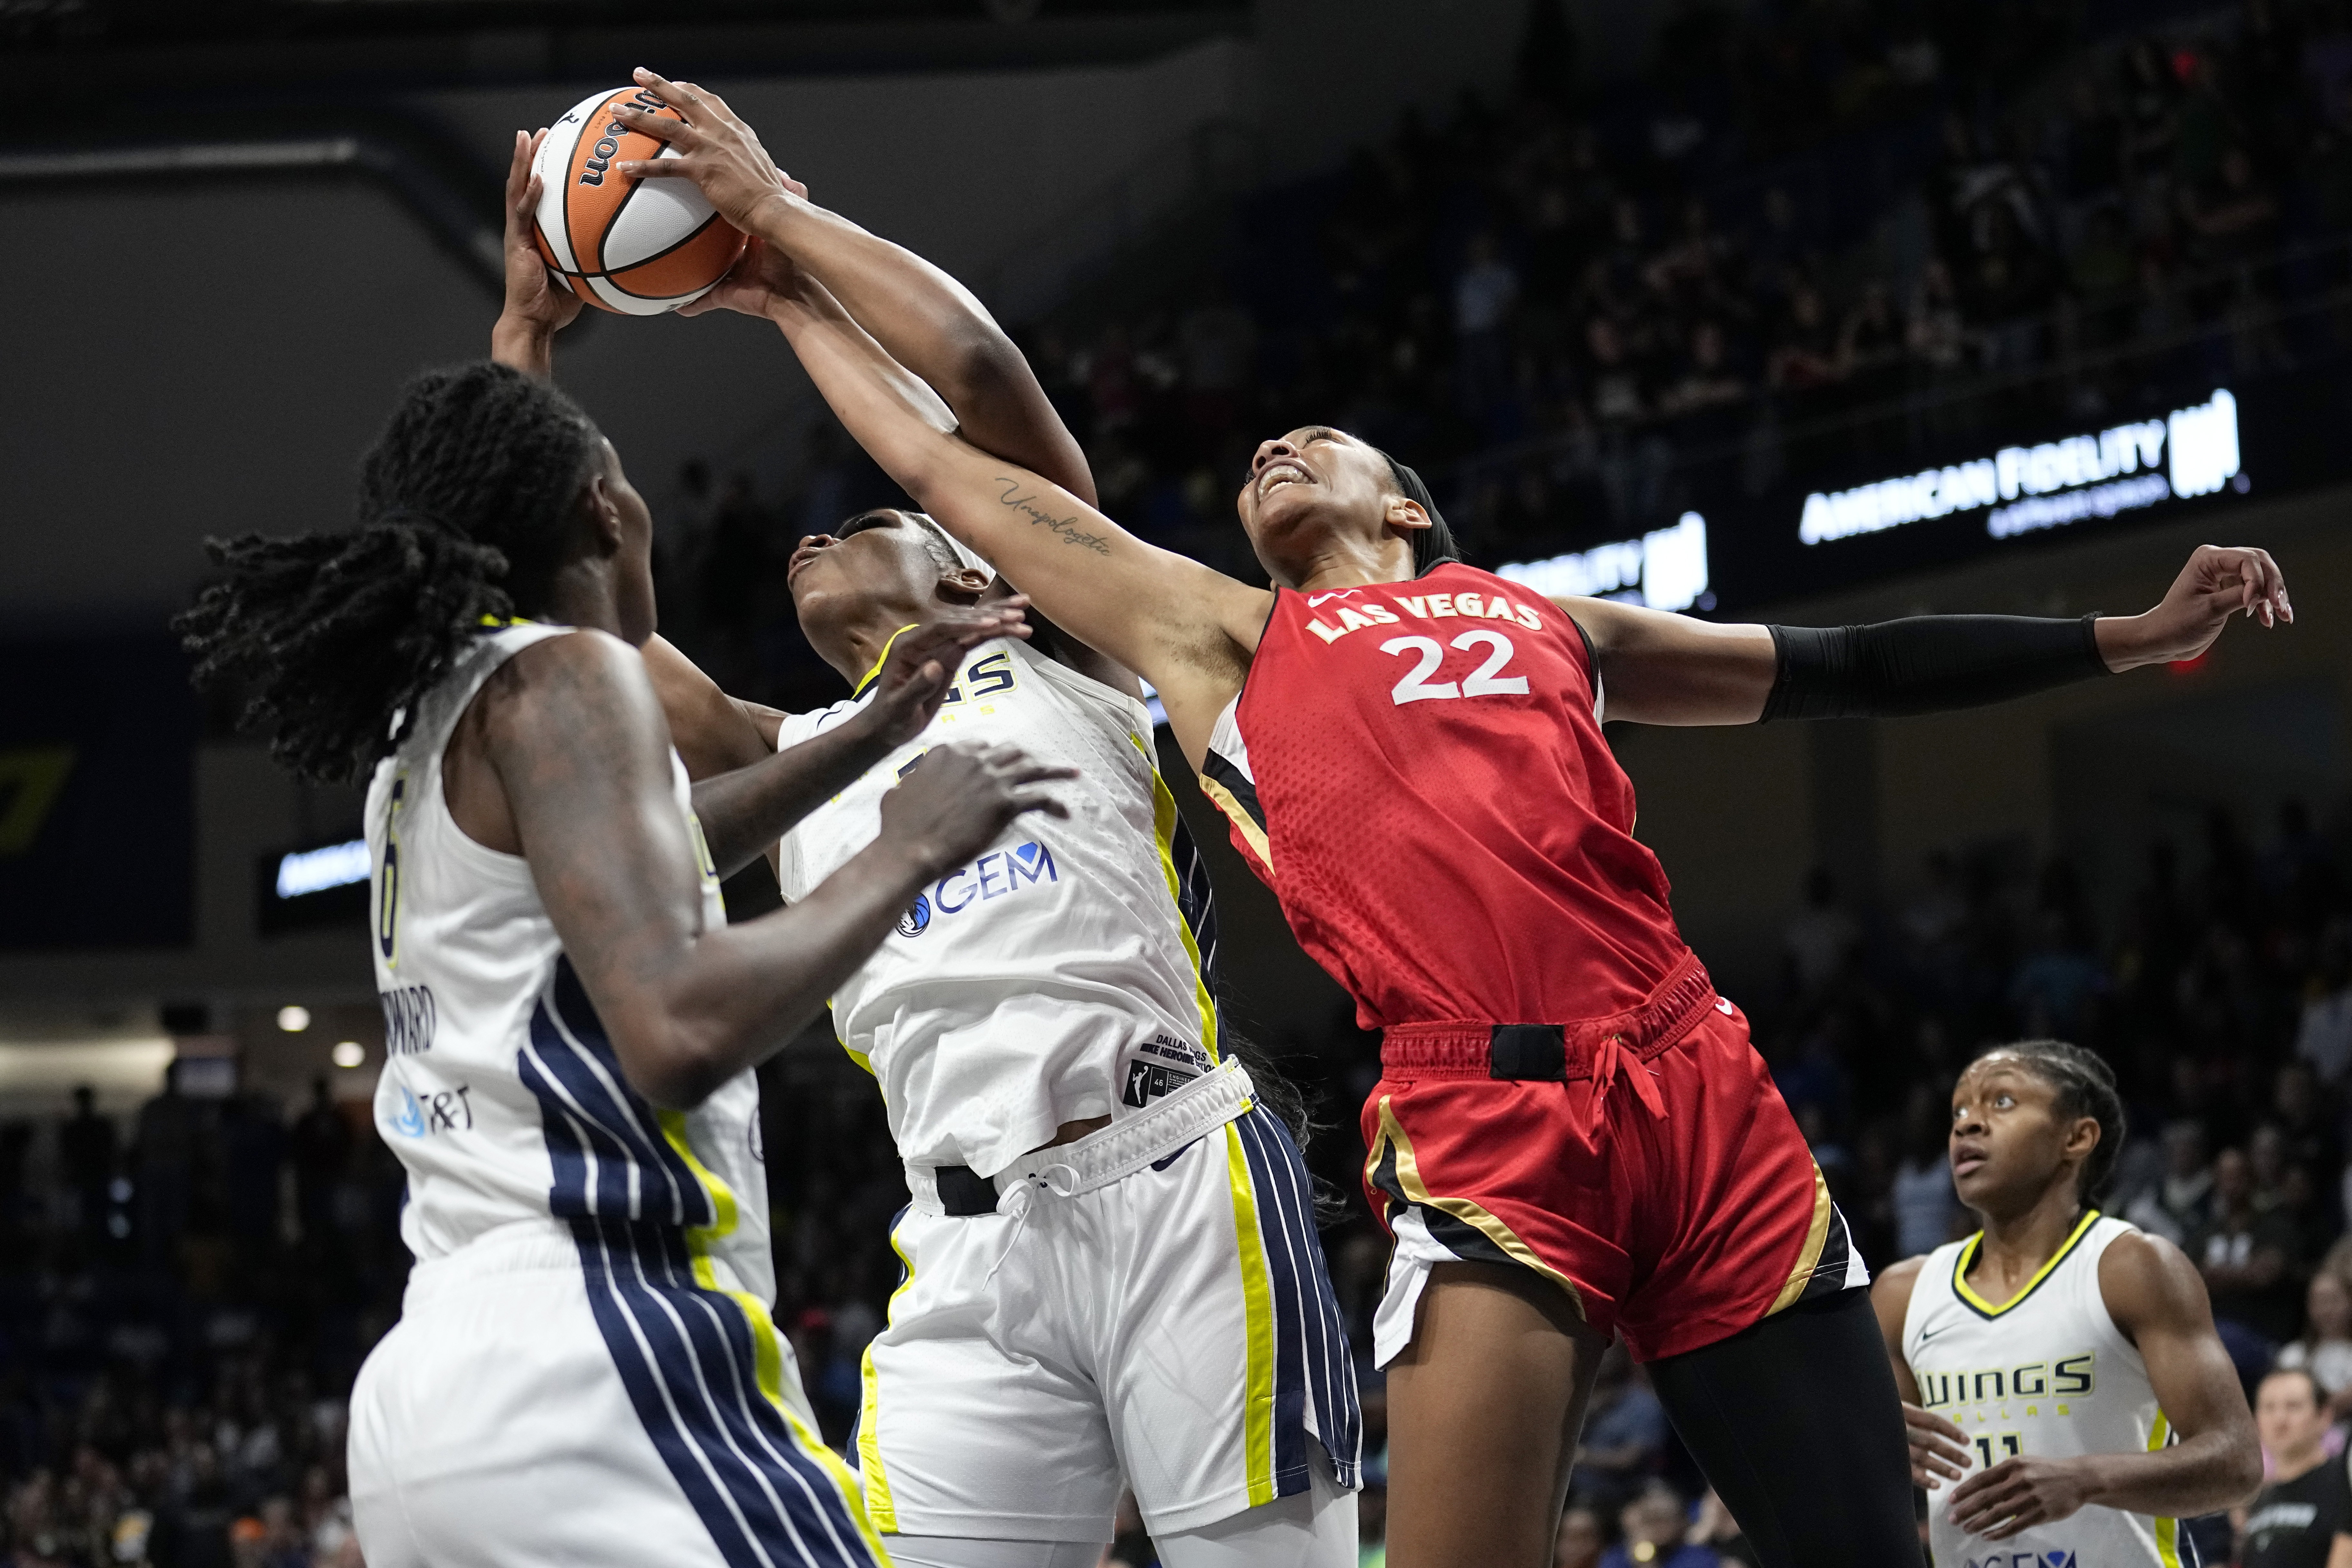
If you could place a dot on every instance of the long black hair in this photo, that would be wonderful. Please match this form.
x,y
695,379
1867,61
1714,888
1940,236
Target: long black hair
x,y
2086,1087
466,502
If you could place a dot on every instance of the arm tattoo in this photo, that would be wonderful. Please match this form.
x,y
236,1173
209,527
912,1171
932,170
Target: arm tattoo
x,y
1067,527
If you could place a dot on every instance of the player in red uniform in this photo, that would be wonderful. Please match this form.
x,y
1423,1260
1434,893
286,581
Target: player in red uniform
x,y
1574,1137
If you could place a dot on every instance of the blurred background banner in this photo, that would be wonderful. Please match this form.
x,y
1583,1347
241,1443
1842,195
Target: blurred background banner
x,y
98,742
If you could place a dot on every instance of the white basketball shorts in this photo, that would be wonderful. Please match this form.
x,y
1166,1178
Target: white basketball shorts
x,y
1170,1321
584,1400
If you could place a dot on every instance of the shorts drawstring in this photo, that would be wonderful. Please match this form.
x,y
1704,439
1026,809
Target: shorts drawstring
x,y
1062,1180
1607,1058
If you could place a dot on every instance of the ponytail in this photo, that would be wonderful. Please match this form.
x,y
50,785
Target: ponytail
x,y
467,501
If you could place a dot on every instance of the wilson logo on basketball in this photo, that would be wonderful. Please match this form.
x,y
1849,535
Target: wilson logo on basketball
x,y
636,246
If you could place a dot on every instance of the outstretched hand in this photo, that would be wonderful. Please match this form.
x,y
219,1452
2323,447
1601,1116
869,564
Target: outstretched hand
x,y
535,308
921,665
714,148
2218,583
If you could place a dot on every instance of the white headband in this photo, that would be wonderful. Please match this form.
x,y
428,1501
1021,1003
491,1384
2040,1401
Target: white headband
x,y
964,553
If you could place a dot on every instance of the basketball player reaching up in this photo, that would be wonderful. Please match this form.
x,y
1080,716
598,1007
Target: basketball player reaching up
x,y
585,1361
1111,1259
1574,1138
2065,1357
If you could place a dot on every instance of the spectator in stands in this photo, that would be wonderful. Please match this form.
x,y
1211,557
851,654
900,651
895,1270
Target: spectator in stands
x,y
166,1153
2323,1033
1925,1208
321,1150
1715,1528
1656,1526
2324,1348
2245,1253
2178,1207
1581,1539
85,1150
1625,1433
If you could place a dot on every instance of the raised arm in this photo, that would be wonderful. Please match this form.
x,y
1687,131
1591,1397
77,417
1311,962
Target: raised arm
x,y
571,731
1659,669
926,322
1185,628
2155,1296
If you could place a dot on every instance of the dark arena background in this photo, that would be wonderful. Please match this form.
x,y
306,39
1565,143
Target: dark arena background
x,y
1816,311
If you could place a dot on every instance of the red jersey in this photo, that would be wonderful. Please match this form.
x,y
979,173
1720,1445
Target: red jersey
x,y
1417,770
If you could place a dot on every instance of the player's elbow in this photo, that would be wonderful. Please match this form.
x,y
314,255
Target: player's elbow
x,y
2242,1466
983,363
672,1068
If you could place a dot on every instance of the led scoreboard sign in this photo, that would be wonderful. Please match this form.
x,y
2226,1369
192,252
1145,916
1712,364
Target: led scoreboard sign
x,y
2022,490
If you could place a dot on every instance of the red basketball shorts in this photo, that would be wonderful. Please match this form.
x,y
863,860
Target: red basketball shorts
x,y
1645,1164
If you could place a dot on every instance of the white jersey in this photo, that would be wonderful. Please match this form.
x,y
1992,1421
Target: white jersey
x,y
501,1091
1059,976
2047,1375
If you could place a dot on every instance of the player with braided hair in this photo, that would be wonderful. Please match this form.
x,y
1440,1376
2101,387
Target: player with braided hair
x,y
2068,1358
586,1360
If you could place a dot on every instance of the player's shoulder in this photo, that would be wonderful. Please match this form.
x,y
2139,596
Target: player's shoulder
x,y
2144,1277
1890,1293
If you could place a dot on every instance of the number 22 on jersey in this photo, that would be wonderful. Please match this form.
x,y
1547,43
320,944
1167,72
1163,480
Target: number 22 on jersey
x,y
1486,680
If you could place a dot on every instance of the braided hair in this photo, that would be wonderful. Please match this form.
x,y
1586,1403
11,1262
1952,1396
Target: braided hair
x,y
2086,1087
465,503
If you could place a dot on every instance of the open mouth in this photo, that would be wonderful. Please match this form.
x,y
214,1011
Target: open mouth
x,y
1968,1161
1280,472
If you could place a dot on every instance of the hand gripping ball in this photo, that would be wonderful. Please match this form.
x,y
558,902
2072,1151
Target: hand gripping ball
x,y
636,246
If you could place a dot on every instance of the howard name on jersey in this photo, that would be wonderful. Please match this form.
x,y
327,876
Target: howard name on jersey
x,y
1055,977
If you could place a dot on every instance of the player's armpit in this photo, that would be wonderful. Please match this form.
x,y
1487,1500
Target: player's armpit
x,y
1661,669
2158,1299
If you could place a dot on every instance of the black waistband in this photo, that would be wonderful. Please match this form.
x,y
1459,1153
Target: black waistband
x,y
963,1192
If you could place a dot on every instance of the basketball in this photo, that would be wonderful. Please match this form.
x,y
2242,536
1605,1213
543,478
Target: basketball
x,y
636,246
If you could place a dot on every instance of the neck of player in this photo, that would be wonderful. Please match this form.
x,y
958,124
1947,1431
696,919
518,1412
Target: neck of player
x,y
581,594
854,642
1347,560
2019,1239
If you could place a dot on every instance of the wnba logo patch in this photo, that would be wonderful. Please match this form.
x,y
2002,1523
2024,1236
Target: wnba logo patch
x,y
918,916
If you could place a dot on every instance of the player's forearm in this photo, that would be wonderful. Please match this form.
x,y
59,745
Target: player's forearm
x,y
740,992
526,346
2203,1474
745,811
936,328
1926,664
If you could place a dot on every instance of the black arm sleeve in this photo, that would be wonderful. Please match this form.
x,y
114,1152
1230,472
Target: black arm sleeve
x,y
1924,664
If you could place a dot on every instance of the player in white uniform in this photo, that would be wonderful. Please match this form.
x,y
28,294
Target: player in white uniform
x,y
1112,1265
2066,1358
585,1371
